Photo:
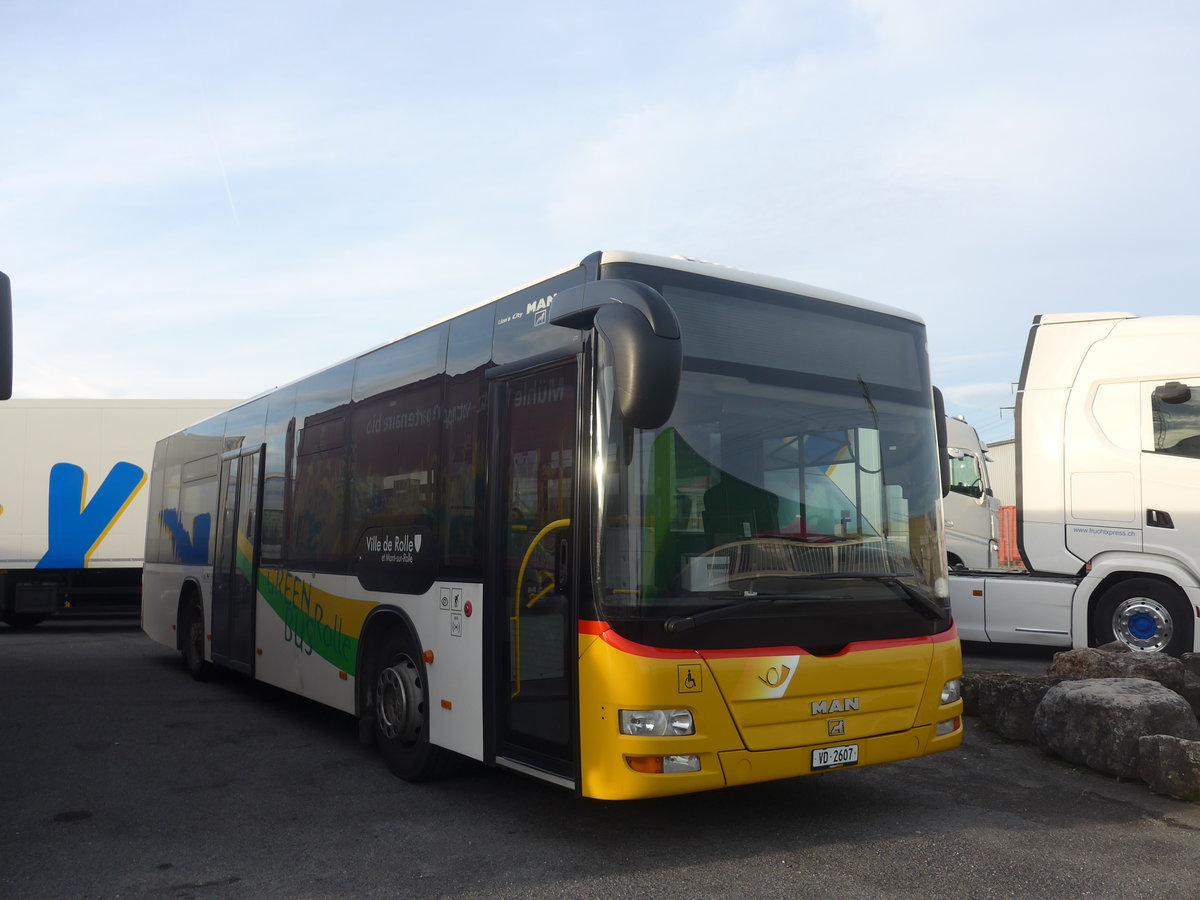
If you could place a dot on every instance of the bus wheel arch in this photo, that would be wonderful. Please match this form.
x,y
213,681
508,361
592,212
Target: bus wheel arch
x,y
393,699
190,632
1146,613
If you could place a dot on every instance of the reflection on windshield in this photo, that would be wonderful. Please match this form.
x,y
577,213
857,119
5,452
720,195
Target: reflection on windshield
x,y
751,487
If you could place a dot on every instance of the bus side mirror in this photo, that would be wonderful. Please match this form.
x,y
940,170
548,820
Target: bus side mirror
x,y
939,413
6,345
643,332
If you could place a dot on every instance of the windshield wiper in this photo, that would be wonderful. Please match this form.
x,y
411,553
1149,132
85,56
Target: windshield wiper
x,y
918,600
676,624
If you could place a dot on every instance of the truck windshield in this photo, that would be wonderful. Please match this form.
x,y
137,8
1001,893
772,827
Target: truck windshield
x,y
791,499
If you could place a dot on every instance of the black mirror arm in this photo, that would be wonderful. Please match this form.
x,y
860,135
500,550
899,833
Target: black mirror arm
x,y
644,334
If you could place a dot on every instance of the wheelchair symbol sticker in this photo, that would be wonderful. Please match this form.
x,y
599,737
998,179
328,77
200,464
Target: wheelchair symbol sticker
x,y
690,679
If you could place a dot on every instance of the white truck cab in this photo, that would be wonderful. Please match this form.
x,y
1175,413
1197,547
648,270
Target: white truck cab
x,y
972,512
1108,490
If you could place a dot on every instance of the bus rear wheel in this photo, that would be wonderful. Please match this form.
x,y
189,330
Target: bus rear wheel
x,y
1145,615
401,711
191,630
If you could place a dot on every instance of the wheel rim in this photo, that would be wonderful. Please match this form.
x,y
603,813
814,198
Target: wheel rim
x,y
1143,624
399,700
196,638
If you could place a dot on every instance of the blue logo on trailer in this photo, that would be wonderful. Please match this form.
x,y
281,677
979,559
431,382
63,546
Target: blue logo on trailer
x,y
75,527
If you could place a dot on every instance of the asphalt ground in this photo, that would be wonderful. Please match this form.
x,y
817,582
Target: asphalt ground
x,y
122,777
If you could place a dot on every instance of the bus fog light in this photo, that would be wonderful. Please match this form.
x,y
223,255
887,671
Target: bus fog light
x,y
948,727
657,722
951,691
681,764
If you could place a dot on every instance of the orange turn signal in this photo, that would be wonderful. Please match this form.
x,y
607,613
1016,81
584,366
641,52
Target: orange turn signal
x,y
648,765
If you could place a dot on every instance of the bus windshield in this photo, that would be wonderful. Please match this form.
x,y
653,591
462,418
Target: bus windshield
x,y
791,499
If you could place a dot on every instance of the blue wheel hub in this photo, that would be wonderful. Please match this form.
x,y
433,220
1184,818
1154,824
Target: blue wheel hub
x,y
1142,623
1143,627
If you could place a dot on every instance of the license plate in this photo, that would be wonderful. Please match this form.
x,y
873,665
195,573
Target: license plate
x,y
832,757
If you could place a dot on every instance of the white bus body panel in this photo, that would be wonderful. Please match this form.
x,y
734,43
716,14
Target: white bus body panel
x,y
160,599
448,622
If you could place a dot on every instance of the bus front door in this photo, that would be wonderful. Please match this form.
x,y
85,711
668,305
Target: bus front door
x,y
533,497
236,565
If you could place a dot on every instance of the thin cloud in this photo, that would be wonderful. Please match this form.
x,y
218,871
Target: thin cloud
x,y
200,200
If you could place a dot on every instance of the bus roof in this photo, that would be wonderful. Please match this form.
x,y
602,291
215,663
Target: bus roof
x,y
730,273
678,263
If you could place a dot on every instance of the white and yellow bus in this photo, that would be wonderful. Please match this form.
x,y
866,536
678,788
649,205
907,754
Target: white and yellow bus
x,y
648,526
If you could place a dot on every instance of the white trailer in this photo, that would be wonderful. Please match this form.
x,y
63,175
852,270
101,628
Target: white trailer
x,y
73,500
972,512
1108,490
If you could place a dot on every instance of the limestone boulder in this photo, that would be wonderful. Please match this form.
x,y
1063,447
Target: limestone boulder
x,y
1191,680
1006,703
1170,765
1115,660
1191,664
1097,722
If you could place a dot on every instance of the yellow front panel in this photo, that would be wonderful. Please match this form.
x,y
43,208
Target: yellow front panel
x,y
876,691
897,686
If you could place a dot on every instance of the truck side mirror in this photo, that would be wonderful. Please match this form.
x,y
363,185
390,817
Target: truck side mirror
x,y
6,346
1173,392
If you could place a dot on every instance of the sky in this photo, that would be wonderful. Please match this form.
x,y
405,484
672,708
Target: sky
x,y
209,199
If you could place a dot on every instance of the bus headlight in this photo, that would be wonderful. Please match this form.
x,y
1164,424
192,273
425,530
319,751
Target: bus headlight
x,y
951,691
657,722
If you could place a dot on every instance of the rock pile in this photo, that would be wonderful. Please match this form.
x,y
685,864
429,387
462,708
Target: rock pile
x,y
1127,714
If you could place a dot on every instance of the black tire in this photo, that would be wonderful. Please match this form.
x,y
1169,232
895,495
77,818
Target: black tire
x,y
400,711
191,639
1146,615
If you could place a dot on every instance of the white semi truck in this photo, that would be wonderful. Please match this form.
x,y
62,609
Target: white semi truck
x,y
73,500
1108,490
972,512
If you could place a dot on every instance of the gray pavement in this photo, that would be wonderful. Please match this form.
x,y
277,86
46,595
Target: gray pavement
x,y
124,778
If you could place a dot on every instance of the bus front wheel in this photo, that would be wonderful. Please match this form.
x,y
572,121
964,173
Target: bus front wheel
x,y
401,711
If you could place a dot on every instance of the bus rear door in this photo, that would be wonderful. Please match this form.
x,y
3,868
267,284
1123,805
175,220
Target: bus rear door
x,y
235,568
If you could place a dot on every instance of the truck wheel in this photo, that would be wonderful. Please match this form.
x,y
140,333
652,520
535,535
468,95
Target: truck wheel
x,y
192,632
401,711
1146,615
23,620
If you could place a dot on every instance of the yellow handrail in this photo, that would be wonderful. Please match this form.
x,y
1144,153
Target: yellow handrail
x,y
516,617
